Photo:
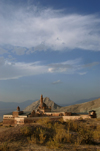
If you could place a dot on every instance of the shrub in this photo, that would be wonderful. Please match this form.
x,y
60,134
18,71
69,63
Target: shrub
x,y
44,121
40,136
85,135
53,144
26,130
4,147
61,120
72,125
97,133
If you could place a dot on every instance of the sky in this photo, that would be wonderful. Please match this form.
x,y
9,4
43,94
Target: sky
x,y
49,47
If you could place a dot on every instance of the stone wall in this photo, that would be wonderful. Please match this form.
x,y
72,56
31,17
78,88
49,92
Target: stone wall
x,y
18,121
54,113
75,117
30,120
8,122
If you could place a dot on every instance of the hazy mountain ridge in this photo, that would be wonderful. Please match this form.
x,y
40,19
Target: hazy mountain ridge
x,y
6,107
83,107
80,101
46,100
13,105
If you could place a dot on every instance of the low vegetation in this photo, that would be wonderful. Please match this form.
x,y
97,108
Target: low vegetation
x,y
76,135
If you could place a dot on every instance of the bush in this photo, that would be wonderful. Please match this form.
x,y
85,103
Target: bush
x,y
39,136
97,133
72,125
26,130
44,121
85,135
4,147
63,136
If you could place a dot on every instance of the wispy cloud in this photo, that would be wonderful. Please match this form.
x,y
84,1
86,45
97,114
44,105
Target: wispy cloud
x,y
15,70
10,69
91,64
37,28
82,73
68,67
56,82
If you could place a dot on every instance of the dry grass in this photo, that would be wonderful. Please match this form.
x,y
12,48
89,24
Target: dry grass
x,y
71,135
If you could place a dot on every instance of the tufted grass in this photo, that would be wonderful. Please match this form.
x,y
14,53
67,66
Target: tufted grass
x,y
53,134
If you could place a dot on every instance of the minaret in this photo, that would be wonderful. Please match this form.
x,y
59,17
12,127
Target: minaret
x,y
18,108
41,100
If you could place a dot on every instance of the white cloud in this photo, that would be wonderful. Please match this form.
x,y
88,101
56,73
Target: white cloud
x,y
69,67
11,70
14,70
43,29
56,82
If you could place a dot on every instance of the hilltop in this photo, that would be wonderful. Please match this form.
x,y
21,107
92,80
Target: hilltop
x,y
46,100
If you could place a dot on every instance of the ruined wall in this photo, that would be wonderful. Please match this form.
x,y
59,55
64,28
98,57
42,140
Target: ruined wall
x,y
18,121
8,122
75,117
54,113
35,119
31,120
55,118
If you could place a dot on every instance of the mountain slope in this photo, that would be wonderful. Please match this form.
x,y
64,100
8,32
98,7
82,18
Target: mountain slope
x,y
83,107
46,100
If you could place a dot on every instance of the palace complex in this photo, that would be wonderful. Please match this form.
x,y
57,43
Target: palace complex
x,y
22,117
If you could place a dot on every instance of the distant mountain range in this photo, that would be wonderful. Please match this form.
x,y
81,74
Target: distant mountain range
x,y
6,107
13,105
80,101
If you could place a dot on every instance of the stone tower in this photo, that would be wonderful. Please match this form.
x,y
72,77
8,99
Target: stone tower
x,y
18,108
41,100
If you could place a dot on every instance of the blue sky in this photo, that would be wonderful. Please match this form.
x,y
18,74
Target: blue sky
x,y
49,47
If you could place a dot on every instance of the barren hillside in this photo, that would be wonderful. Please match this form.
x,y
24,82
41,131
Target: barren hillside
x,y
46,100
83,107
